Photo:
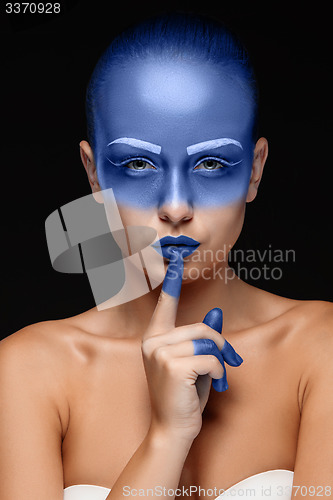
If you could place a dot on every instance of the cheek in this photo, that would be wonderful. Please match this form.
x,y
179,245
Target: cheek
x,y
139,230
224,225
222,228
132,216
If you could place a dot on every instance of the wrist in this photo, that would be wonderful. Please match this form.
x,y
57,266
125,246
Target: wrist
x,y
168,439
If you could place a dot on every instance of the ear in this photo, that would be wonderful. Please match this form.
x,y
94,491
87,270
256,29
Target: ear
x,y
259,160
88,161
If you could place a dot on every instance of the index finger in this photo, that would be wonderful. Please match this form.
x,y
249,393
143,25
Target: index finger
x,y
164,316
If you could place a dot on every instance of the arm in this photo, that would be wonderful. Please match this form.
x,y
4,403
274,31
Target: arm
x,y
158,462
177,396
314,459
30,427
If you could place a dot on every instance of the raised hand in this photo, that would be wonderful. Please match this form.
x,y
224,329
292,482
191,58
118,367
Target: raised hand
x,y
181,362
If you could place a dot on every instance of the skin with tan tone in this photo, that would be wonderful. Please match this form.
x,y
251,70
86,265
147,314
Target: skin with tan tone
x,y
116,397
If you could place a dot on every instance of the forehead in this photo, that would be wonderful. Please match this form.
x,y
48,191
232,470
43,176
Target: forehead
x,y
182,101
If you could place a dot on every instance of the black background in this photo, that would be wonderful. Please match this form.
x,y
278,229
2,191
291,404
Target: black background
x,y
46,61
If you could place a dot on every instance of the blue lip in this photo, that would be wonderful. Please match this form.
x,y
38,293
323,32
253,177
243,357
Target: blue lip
x,y
178,240
184,244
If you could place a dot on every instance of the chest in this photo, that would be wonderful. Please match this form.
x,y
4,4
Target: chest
x,y
250,428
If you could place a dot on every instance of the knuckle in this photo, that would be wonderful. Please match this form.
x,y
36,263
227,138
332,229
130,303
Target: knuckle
x,y
215,363
148,346
210,331
161,354
218,339
197,327
221,339
212,334
161,297
207,329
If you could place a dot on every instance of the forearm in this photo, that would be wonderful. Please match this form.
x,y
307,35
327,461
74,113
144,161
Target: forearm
x,y
158,462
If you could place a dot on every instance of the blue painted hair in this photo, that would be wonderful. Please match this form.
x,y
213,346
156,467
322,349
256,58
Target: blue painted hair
x,y
173,36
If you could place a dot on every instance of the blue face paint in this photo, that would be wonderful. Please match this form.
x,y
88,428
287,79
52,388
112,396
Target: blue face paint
x,y
173,132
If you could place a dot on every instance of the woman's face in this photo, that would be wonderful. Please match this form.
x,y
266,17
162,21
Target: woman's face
x,y
174,142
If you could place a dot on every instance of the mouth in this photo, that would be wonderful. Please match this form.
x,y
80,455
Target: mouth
x,y
185,244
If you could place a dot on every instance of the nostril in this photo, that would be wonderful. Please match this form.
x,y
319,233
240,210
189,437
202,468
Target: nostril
x,y
175,212
175,218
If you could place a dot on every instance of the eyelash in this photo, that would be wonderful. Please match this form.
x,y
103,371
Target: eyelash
x,y
127,161
223,163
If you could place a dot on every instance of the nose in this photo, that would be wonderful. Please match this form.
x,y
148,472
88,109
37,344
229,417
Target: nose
x,y
176,203
175,212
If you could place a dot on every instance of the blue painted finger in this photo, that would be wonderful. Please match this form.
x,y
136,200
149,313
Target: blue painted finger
x,y
172,283
230,356
208,346
214,319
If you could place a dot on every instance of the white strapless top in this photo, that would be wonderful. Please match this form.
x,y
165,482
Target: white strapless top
x,y
272,484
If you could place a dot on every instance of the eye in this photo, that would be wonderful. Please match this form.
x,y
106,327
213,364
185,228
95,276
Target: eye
x,y
214,163
209,165
139,165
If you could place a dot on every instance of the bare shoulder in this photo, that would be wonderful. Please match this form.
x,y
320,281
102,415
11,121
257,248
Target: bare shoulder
x,y
303,326
55,342
59,359
302,331
313,319
36,344
315,331
300,314
310,323
309,342
65,350
42,343
46,357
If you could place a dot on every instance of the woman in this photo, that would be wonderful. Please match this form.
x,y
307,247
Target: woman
x,y
120,398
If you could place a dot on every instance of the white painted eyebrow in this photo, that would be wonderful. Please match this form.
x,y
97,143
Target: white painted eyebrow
x,y
137,143
215,143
